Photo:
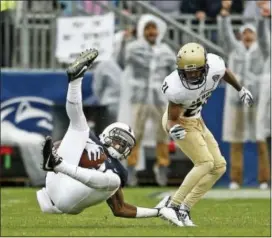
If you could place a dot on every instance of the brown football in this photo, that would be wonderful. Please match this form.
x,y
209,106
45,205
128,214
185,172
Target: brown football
x,y
85,162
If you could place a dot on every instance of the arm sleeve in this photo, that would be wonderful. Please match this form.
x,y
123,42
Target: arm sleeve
x,y
264,37
135,54
99,82
98,180
228,34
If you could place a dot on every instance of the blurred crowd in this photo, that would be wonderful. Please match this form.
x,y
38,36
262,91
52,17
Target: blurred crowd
x,y
142,60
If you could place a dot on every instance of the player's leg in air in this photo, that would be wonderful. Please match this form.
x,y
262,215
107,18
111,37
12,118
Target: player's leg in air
x,y
53,198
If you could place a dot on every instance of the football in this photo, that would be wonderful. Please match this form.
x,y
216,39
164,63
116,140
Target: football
x,y
85,161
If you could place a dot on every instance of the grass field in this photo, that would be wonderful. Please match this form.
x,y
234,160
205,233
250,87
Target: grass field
x,y
20,216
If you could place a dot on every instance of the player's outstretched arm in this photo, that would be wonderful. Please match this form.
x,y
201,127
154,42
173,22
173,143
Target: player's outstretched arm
x,y
230,78
122,209
264,36
244,94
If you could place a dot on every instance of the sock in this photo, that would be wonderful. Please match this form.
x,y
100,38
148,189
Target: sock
x,y
74,91
203,186
74,106
90,177
184,207
190,181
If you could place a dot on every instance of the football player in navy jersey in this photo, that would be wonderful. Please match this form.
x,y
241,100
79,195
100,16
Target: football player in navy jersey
x,y
70,188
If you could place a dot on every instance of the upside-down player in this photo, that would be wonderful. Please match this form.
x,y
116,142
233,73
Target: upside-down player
x,y
187,89
70,188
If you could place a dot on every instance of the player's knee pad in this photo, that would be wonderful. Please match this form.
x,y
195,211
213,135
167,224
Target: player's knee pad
x,y
206,166
219,170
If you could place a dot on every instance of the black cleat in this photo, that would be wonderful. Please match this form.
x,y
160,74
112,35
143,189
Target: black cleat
x,y
50,156
82,63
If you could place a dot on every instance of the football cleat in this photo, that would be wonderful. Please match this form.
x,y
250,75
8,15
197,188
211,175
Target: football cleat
x,y
82,64
164,202
171,214
50,156
186,218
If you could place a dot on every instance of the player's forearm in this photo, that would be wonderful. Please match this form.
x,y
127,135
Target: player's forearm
x,y
230,78
171,123
174,113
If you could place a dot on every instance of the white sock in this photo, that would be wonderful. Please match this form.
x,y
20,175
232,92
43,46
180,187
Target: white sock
x,y
74,106
90,177
74,94
184,207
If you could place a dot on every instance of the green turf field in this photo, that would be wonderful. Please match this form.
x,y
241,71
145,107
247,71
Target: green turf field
x,y
20,216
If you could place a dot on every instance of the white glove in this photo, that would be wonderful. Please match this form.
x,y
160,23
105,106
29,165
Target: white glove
x,y
94,150
246,97
177,132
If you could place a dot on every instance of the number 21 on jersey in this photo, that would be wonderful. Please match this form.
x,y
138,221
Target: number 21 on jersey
x,y
196,106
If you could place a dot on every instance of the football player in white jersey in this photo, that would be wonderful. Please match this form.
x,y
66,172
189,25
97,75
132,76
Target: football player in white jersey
x,y
69,188
187,89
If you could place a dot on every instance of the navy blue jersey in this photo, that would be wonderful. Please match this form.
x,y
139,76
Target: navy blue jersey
x,y
111,163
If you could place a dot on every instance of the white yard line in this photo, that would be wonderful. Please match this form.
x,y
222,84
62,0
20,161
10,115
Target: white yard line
x,y
228,194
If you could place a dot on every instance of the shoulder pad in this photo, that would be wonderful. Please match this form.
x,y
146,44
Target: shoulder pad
x,y
216,62
169,86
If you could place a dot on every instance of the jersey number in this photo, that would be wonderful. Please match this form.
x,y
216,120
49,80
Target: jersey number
x,y
193,110
164,87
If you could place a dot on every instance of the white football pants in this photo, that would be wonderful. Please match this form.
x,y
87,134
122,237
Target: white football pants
x,y
86,187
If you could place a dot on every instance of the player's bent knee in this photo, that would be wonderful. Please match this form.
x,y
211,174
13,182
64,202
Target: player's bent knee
x,y
206,166
220,170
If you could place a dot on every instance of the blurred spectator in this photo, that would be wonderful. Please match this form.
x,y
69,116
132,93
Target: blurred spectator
x,y
256,9
44,6
122,38
169,7
148,62
201,9
236,6
7,32
70,6
239,126
94,7
264,105
106,86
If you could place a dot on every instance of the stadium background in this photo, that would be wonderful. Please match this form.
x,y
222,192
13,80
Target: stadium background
x,y
52,86
33,92
31,57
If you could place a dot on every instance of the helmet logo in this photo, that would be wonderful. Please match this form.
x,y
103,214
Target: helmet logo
x,y
190,67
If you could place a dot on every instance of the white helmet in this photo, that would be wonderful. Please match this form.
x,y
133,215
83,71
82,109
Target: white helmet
x,y
119,139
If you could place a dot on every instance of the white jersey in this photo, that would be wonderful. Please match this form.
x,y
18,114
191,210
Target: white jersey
x,y
193,100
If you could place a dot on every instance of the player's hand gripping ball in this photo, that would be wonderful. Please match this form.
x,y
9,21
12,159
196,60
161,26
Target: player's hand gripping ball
x,y
92,157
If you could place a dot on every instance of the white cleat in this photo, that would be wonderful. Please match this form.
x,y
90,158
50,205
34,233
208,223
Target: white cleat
x,y
185,215
164,202
264,186
234,186
171,214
